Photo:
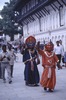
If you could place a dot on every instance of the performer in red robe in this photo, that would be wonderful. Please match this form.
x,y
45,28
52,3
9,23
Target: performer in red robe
x,y
49,61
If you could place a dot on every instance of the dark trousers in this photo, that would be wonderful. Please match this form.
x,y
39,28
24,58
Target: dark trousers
x,y
11,68
59,57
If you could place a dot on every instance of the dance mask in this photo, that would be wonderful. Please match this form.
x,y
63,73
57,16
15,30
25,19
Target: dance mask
x,y
30,42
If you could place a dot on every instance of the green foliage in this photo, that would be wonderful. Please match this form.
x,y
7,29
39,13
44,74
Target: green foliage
x,y
7,23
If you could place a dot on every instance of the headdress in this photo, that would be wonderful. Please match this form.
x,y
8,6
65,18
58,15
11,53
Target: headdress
x,y
49,46
30,41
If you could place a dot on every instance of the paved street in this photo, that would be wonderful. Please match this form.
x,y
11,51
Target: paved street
x,y
18,91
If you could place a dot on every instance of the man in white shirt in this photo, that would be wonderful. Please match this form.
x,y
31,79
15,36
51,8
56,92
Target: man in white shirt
x,y
62,47
5,58
58,52
12,57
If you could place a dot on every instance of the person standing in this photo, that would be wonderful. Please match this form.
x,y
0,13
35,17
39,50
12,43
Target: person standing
x,y
62,47
65,59
49,61
31,73
58,52
12,57
5,58
62,54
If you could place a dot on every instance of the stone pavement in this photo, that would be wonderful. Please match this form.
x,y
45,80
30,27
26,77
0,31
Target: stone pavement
x,y
18,91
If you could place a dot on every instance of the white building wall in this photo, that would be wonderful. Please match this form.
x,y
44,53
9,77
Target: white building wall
x,y
50,28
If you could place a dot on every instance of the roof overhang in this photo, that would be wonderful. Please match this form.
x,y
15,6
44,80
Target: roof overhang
x,y
39,10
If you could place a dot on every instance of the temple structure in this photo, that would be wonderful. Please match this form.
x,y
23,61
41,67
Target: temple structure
x,y
45,19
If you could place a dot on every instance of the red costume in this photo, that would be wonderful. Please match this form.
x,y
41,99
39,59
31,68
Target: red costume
x,y
49,60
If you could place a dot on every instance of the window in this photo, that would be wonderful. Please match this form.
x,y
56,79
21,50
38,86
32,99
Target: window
x,y
61,16
40,24
36,1
28,6
23,10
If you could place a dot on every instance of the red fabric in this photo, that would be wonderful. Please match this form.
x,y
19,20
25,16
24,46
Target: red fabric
x,y
49,60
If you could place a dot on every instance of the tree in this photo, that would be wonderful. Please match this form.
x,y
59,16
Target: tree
x,y
9,24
